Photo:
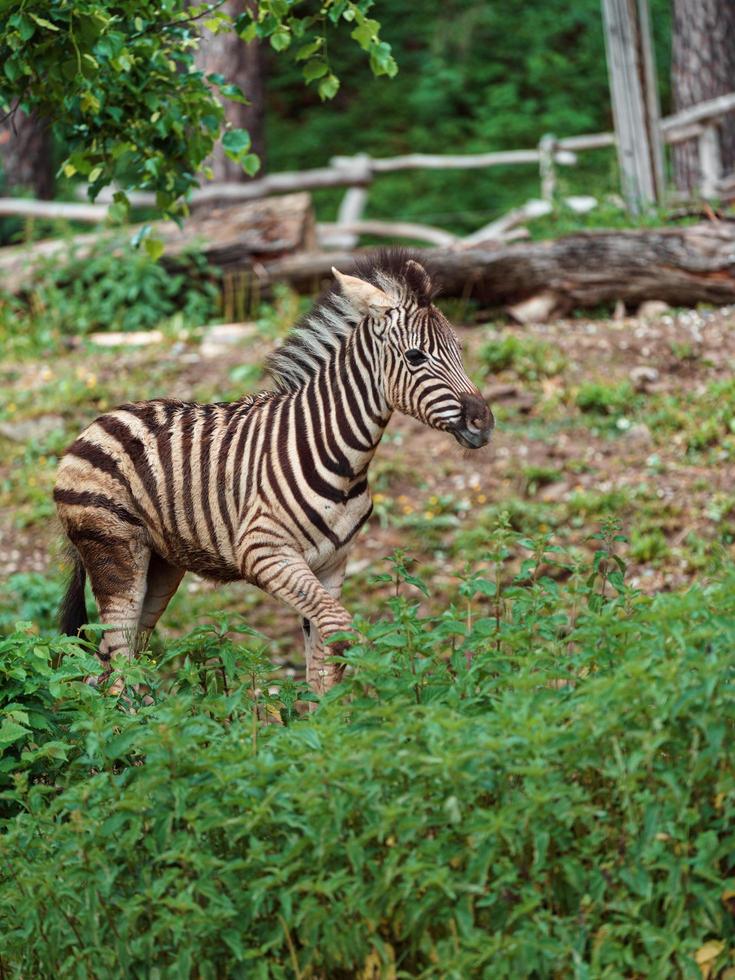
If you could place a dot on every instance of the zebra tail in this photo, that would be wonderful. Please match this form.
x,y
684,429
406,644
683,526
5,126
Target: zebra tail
x,y
73,609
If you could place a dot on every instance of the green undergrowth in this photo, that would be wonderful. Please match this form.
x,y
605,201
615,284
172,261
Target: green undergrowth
x,y
537,782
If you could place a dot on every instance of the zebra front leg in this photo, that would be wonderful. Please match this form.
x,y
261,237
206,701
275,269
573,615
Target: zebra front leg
x,y
321,672
291,580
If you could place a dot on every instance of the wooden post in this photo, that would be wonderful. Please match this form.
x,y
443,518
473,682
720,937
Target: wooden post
x,y
635,101
710,161
546,151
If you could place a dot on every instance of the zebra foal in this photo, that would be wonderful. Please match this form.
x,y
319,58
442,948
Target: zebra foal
x,y
272,488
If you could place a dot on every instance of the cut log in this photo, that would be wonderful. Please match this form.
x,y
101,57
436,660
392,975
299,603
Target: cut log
x,y
235,237
681,266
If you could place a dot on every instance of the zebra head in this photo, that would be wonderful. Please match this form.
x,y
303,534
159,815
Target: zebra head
x,y
421,358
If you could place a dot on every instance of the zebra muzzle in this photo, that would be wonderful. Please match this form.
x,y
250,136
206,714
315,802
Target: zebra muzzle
x,y
477,423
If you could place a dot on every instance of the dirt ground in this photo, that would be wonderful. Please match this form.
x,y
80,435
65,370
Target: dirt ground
x,y
596,418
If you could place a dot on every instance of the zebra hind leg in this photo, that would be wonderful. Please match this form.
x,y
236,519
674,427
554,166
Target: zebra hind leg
x,y
118,569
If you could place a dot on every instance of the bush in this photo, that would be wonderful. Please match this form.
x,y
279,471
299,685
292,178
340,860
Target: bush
x,y
116,287
538,782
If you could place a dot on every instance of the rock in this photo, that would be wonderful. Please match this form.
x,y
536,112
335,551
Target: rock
x,y
26,429
639,435
581,203
135,338
221,338
642,376
499,393
537,309
652,309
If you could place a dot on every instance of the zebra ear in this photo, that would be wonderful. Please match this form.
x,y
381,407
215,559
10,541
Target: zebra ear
x,y
363,295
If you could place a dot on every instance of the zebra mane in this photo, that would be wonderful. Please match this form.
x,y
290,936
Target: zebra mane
x,y
326,327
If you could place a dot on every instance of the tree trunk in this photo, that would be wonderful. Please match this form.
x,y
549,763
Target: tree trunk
x,y
26,150
682,266
244,65
702,67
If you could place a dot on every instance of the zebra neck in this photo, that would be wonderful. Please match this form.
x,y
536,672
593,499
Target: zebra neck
x,y
346,405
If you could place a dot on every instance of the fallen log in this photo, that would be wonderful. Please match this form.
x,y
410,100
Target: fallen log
x,y
235,237
681,266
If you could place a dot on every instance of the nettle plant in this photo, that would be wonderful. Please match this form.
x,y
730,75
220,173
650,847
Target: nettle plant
x,y
119,80
538,781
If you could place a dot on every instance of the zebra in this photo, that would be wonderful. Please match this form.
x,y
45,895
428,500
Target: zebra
x,y
270,489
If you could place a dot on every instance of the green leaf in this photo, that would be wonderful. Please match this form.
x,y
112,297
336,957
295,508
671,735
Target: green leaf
x,y
315,69
11,732
307,50
328,87
250,164
366,33
154,247
280,39
42,22
236,141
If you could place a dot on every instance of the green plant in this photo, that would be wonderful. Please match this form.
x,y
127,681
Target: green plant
x,y
118,287
537,777
31,597
599,398
529,359
647,546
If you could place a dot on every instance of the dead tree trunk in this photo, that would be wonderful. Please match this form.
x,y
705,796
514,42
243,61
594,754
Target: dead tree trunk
x,y
702,67
682,266
239,237
25,148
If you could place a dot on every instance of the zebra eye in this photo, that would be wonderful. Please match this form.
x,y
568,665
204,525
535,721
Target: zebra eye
x,y
415,356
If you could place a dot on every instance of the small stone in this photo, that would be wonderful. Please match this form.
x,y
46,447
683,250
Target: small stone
x,y
639,435
652,309
643,375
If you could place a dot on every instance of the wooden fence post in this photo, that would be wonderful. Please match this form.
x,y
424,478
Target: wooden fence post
x,y
635,101
710,161
546,151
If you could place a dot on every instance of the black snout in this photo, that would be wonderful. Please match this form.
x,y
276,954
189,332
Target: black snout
x,y
476,425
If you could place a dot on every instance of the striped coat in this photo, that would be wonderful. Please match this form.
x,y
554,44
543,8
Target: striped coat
x,y
272,488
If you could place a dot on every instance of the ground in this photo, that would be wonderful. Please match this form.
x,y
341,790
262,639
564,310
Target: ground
x,y
630,418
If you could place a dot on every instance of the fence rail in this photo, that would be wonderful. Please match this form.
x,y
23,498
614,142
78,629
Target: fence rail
x,y
356,173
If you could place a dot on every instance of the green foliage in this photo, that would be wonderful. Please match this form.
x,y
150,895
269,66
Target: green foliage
x,y
120,82
705,419
528,358
116,287
37,704
475,76
539,776
599,398
32,597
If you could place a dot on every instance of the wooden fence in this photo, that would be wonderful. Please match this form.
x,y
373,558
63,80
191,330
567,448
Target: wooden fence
x,y
357,173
